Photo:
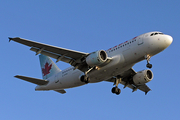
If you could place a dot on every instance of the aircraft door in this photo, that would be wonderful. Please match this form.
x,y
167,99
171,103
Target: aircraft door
x,y
140,40
56,79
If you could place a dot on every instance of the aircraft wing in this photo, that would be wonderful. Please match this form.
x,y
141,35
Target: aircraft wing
x,y
60,54
32,80
128,75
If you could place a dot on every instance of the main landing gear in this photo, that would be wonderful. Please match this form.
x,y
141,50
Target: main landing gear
x,y
85,78
148,65
115,89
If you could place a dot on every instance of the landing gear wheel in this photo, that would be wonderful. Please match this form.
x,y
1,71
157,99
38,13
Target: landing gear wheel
x,y
85,79
113,90
147,57
116,90
149,65
82,78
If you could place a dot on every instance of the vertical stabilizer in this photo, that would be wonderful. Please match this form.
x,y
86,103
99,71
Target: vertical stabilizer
x,y
48,67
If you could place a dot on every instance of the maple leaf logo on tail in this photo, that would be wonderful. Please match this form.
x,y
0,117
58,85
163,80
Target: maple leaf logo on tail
x,y
46,69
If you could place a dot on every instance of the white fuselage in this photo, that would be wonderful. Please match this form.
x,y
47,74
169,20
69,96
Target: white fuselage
x,y
123,57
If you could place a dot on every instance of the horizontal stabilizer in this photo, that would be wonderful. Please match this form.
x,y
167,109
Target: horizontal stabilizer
x,y
60,91
32,80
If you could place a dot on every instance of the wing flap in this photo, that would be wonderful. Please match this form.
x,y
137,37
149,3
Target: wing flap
x,y
32,80
60,91
144,88
125,75
53,55
51,49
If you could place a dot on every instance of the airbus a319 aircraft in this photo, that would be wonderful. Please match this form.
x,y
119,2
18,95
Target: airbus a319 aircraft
x,y
112,65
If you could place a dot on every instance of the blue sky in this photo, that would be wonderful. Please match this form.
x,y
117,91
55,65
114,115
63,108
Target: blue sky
x,y
87,26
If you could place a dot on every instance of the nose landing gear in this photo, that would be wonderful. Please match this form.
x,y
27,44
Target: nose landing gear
x,y
148,65
115,89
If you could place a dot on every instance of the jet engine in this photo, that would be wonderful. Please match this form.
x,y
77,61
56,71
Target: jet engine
x,y
143,77
96,58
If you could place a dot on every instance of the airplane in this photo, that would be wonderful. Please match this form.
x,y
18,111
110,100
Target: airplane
x,y
111,65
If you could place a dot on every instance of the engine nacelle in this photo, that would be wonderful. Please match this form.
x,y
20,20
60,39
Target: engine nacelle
x,y
143,77
96,58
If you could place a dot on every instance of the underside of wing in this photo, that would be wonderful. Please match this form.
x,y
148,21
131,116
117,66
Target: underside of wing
x,y
60,54
126,77
80,60
32,80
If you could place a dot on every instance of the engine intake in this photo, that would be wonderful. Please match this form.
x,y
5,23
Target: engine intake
x,y
143,77
97,58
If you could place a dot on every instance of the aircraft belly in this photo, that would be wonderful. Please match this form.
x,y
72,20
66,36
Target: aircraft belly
x,y
107,72
71,80
65,81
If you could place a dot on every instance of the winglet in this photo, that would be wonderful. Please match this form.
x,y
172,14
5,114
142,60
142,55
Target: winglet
x,y
10,39
147,91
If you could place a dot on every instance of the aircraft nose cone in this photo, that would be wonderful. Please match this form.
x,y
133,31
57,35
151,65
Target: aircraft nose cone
x,y
168,40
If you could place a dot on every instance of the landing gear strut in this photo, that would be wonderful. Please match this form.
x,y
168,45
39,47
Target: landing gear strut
x,y
148,65
85,78
115,89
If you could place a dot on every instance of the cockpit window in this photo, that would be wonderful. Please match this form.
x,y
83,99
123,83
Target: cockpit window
x,y
156,34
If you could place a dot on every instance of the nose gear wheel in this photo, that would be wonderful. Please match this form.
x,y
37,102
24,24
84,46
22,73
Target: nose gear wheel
x,y
148,65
